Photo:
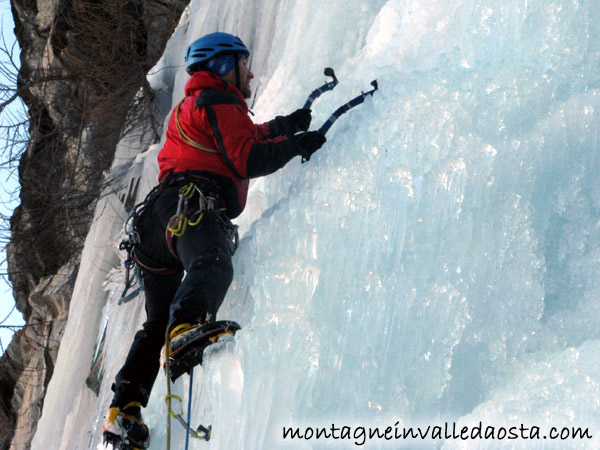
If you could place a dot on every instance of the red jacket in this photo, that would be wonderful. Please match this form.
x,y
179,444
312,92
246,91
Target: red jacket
x,y
214,114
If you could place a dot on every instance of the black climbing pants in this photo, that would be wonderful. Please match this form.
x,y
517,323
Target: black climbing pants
x,y
204,252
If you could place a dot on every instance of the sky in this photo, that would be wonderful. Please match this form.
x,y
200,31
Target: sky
x,y
8,186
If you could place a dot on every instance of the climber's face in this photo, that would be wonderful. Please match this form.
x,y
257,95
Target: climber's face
x,y
245,76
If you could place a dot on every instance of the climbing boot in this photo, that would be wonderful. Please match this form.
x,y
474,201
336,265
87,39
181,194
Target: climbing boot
x,y
125,429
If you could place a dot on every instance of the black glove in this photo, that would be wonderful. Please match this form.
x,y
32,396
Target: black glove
x,y
289,125
308,143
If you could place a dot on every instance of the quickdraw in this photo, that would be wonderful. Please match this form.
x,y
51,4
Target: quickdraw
x,y
232,232
201,432
133,239
129,264
187,214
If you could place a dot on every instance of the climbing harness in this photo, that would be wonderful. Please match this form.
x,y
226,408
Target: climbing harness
x,y
196,199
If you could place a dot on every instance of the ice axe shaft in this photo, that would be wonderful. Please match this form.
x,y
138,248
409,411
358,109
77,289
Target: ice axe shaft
x,y
326,87
346,107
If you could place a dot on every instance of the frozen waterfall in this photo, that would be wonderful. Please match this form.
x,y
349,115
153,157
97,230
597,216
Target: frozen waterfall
x,y
436,263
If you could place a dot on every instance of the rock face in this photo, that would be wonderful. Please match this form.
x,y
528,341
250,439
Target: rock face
x,y
82,77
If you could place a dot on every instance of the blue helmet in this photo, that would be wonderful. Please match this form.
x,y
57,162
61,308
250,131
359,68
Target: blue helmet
x,y
211,45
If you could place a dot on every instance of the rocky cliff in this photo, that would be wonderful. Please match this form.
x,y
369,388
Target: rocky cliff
x,y
83,79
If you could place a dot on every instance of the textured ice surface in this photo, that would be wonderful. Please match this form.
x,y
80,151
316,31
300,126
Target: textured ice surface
x,y
437,261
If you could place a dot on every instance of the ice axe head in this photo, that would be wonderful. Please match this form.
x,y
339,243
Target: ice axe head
x,y
329,73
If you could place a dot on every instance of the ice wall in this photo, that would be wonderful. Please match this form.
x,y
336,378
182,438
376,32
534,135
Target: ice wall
x,y
437,261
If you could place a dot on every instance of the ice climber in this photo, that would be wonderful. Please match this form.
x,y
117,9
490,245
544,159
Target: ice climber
x,y
211,151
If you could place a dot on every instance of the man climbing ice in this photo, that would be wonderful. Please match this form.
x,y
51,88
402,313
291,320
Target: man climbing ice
x,y
212,149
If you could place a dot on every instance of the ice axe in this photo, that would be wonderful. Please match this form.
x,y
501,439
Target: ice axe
x,y
326,87
342,109
346,107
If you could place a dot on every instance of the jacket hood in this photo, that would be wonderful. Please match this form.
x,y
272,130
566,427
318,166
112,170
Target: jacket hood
x,y
209,80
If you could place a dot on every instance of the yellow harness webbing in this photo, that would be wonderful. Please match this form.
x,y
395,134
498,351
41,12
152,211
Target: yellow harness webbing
x,y
187,139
